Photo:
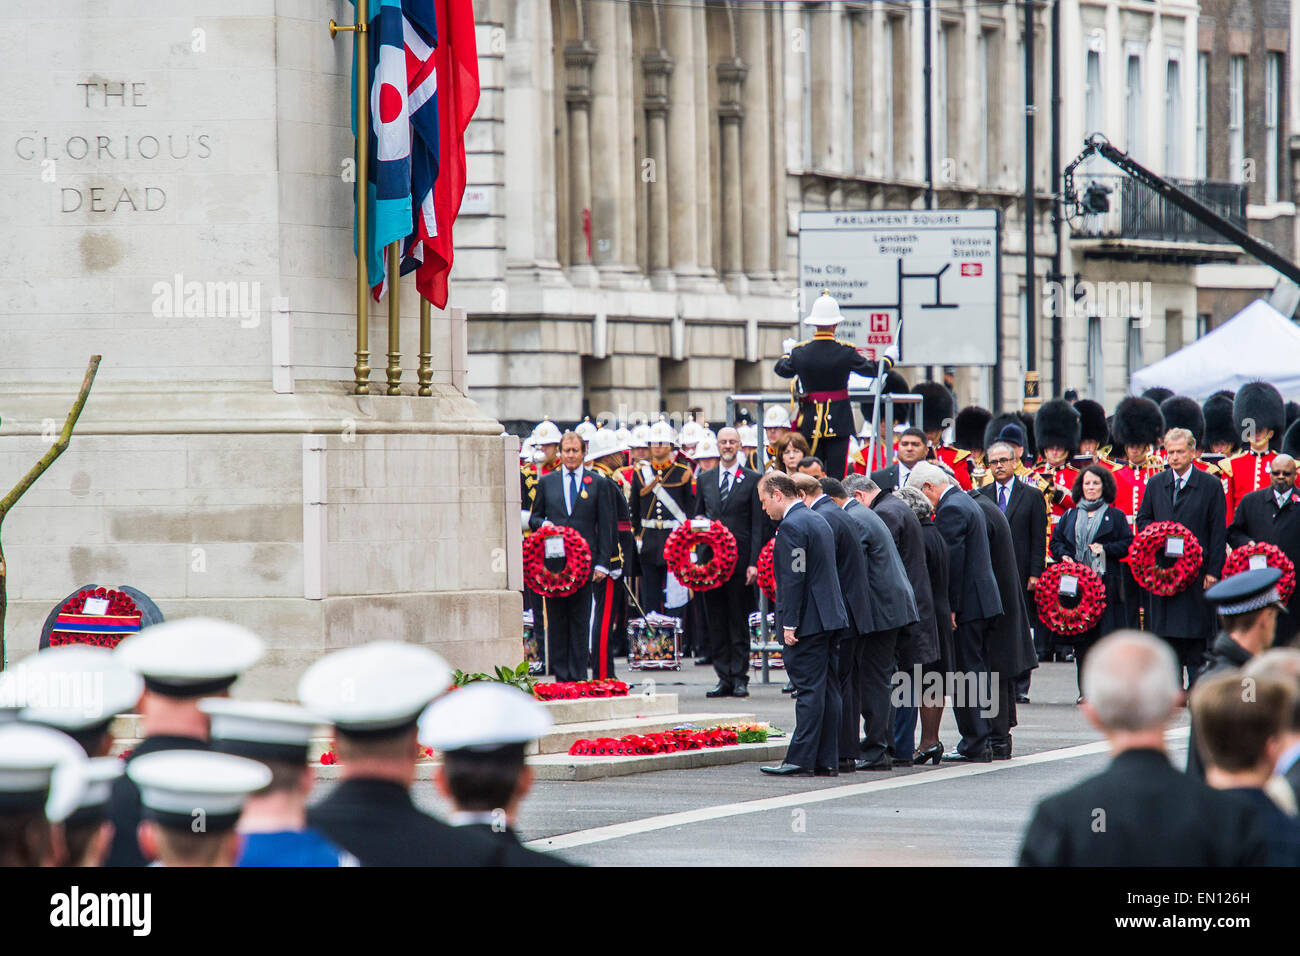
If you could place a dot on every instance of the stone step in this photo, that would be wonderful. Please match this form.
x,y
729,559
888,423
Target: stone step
x,y
561,738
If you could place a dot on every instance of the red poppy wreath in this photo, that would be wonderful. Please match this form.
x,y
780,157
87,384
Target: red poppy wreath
x,y
1085,614
1150,545
577,562
682,560
767,573
1239,561
113,620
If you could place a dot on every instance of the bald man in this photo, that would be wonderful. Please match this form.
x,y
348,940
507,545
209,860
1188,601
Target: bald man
x,y
1272,515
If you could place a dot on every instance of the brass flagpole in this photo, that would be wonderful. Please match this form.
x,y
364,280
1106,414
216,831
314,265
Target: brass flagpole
x,y
426,349
361,371
394,320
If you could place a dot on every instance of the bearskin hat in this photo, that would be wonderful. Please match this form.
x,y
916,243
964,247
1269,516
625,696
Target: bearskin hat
x,y
999,422
1258,406
937,406
1218,420
969,428
1291,442
1292,413
1158,394
1183,412
1092,421
1058,423
1138,421
895,384
1031,443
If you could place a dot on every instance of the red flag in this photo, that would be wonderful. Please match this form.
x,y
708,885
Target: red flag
x,y
457,65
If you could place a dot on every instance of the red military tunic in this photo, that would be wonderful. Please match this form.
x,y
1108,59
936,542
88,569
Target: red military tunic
x,y
959,460
858,460
1055,482
1243,474
1131,484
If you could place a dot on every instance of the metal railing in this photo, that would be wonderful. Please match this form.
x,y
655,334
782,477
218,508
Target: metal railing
x,y
1137,212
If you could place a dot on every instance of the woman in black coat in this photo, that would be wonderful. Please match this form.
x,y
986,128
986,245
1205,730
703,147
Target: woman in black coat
x,y
936,563
1097,534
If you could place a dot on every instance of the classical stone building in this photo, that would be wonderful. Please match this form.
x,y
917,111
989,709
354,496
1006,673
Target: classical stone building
x,y
631,244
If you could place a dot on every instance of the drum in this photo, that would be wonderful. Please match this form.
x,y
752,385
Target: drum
x,y
654,642
756,645
532,646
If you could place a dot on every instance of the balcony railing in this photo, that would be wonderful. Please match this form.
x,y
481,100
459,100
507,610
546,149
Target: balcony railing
x,y
1137,212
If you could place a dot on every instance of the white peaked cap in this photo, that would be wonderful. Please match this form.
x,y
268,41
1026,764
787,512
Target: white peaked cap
x,y
546,433
192,656
603,443
383,685
73,687
776,416
825,311
483,715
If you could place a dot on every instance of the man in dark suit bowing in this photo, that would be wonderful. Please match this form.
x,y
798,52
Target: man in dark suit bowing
x,y
729,493
1026,512
911,451
575,497
810,617
974,598
1272,515
851,568
1185,494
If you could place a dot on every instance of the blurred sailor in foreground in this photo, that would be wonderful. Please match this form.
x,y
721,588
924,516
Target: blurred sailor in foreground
x,y
191,801
374,694
482,731
39,779
181,662
274,822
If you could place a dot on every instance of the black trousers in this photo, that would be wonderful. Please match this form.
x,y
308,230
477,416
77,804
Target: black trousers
x,y
609,614
874,662
728,608
569,630
654,578
1191,656
1003,704
813,665
834,453
972,674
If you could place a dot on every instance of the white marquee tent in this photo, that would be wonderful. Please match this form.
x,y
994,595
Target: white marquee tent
x,y
1258,343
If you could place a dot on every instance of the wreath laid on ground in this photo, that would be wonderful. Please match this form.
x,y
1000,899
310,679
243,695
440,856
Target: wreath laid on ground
x,y
116,618
1149,546
1239,561
683,560
577,562
578,690
669,742
1085,614
767,573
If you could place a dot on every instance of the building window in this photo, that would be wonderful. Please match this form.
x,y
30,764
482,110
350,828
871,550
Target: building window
x,y
1173,331
1134,345
1202,323
1237,119
807,89
1133,118
1272,97
1202,115
1096,360
1092,101
1173,118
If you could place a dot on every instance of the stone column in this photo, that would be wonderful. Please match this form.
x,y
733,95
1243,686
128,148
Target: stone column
x,y
731,78
612,165
756,146
682,148
578,60
658,68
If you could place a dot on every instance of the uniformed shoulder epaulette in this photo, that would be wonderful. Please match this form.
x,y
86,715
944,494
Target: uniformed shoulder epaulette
x,y
962,454
1212,468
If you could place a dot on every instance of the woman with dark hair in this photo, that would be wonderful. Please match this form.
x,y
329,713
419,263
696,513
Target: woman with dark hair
x,y
936,563
791,450
1097,534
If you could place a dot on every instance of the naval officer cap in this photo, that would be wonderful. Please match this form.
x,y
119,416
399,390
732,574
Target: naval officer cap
x,y
483,717
76,688
1246,592
193,657
376,689
260,729
39,769
85,802
178,787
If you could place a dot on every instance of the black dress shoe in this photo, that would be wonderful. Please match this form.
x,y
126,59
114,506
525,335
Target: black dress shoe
x,y
740,690
1001,753
929,753
848,765
788,688
719,690
826,772
787,770
702,661
883,764
901,761
955,756
1022,698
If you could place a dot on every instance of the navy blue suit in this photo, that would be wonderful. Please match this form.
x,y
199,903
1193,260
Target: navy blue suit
x,y
808,599
975,600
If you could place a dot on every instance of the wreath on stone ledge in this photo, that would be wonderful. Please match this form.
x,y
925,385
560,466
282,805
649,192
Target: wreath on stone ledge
x,y
683,560
1148,548
577,562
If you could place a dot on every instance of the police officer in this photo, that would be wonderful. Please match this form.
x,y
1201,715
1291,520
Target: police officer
x,y
823,366
482,732
663,496
374,694
181,662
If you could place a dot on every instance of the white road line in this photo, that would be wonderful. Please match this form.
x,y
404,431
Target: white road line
x,y
566,841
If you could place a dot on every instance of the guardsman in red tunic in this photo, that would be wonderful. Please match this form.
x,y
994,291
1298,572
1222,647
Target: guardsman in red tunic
x,y
1094,433
1221,436
1180,411
1057,430
1138,428
1260,418
936,417
969,437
